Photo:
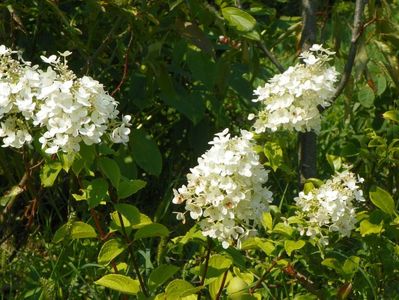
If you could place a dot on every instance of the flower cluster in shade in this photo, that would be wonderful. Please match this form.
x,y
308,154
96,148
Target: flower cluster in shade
x,y
63,109
290,100
226,191
332,205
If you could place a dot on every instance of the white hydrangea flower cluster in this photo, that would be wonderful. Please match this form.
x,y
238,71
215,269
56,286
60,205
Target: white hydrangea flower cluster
x,y
226,191
65,109
331,205
290,100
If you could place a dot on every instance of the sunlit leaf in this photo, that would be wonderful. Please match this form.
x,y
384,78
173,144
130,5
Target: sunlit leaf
x,y
239,19
291,246
151,230
110,250
120,283
382,199
49,173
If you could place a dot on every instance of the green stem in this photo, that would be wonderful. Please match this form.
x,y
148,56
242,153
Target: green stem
x,y
134,262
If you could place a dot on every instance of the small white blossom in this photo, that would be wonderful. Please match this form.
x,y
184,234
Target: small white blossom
x,y
225,192
67,110
290,100
332,205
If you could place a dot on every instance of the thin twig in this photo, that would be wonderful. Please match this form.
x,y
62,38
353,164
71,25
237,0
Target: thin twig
x,y
125,65
222,285
22,184
208,255
102,234
131,251
272,58
260,281
357,31
104,43
304,281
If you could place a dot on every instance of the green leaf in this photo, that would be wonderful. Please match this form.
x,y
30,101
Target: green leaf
x,y
116,223
382,199
189,103
81,230
267,221
146,153
291,246
127,216
130,212
308,187
366,227
335,162
381,85
283,228
366,96
274,154
252,35
180,288
215,285
392,115
110,250
161,274
151,230
239,19
333,263
49,173
129,187
202,67
237,288
76,230
194,234
258,243
351,266
120,283
110,169
217,265
67,160
97,191
83,159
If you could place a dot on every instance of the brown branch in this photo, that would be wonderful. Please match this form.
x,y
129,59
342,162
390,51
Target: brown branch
x,y
103,236
308,34
222,285
208,255
260,281
357,31
307,152
304,281
125,66
272,58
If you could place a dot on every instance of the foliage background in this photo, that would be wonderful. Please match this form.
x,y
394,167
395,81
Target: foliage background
x,y
184,73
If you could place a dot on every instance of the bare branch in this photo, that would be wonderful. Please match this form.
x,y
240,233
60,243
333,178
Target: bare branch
x,y
307,152
357,31
308,35
272,58
304,281
125,66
